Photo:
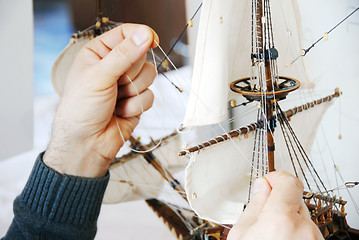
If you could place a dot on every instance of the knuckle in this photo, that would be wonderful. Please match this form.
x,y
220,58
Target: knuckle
x,y
290,179
296,182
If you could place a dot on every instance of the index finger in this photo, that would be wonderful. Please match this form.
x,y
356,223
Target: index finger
x,y
286,194
137,41
104,43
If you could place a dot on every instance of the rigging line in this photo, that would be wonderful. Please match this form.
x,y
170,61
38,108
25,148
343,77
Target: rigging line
x,y
252,30
137,184
325,170
322,160
270,24
131,182
96,8
286,142
258,150
154,60
282,117
180,36
339,187
252,165
173,84
142,110
303,153
113,7
305,51
163,74
262,151
337,172
188,224
241,104
298,161
306,160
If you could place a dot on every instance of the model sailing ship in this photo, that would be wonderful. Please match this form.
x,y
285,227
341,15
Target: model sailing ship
x,y
256,62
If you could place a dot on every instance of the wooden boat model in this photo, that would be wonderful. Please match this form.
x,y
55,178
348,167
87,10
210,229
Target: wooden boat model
x,y
268,89
256,62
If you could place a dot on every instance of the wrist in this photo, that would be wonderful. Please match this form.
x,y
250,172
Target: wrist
x,y
75,158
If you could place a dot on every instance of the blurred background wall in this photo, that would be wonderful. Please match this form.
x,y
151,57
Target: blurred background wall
x,y
16,62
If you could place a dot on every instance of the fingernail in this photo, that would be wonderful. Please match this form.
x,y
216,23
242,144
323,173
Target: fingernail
x,y
140,36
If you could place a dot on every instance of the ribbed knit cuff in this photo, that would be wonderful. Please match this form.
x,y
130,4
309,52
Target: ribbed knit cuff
x,y
61,198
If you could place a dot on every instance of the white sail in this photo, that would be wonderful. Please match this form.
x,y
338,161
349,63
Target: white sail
x,y
223,54
217,178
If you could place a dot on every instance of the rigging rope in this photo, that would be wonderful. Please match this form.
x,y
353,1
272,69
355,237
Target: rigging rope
x,y
180,36
302,152
305,51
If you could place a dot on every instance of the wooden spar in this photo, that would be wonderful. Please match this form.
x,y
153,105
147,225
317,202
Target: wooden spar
x,y
251,127
224,137
306,106
151,159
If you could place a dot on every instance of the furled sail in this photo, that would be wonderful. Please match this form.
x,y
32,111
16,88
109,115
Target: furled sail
x,y
218,176
133,178
223,54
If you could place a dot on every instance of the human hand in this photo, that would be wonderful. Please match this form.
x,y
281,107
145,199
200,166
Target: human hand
x,y
85,136
276,211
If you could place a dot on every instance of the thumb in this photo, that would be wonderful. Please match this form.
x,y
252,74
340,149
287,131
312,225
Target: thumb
x,y
136,43
261,191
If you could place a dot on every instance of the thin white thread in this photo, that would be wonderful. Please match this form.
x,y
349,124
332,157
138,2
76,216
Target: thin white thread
x,y
165,55
154,61
181,129
142,111
129,79
228,135
134,150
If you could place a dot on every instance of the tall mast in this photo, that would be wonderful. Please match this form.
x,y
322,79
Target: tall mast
x,y
99,10
263,45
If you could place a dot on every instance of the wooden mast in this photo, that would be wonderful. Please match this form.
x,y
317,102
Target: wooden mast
x,y
262,42
99,9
